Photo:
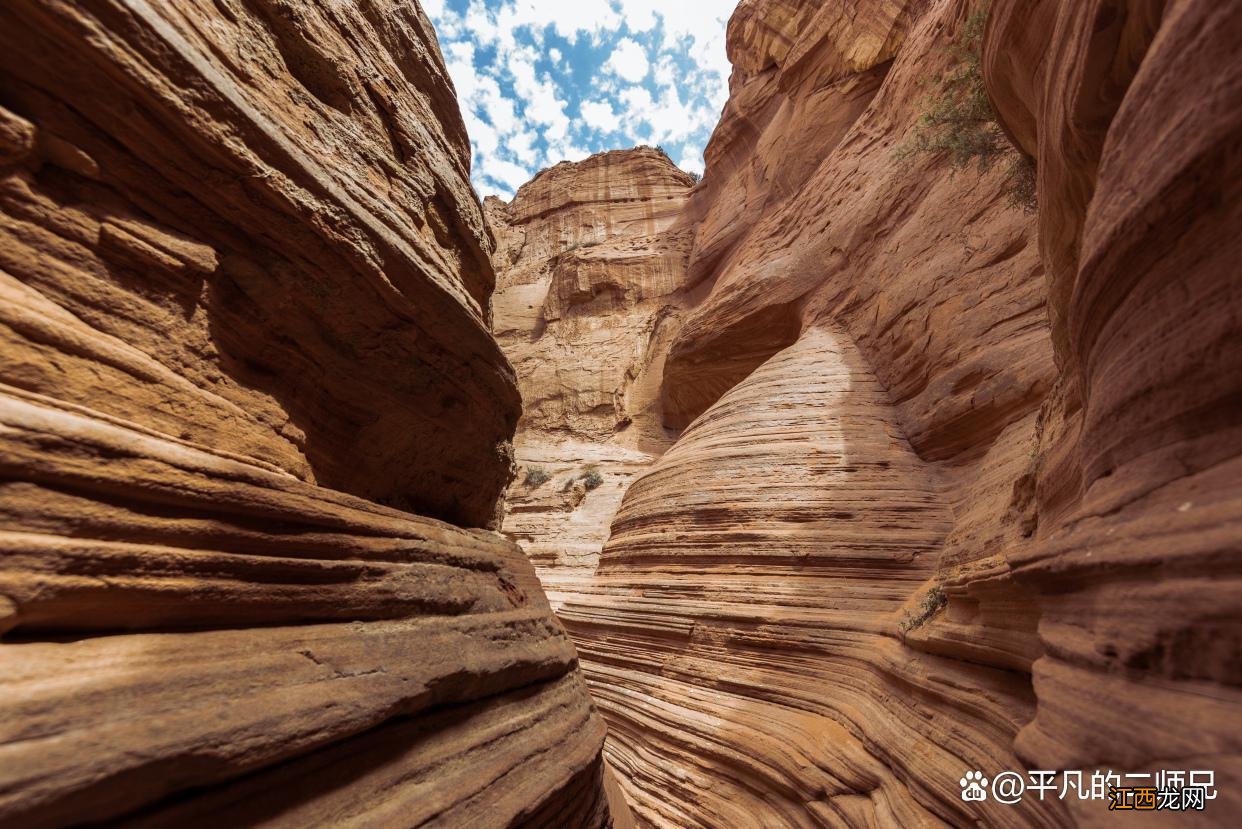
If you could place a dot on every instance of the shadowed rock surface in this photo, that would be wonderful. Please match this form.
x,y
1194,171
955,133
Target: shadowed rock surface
x,y
927,483
243,341
268,228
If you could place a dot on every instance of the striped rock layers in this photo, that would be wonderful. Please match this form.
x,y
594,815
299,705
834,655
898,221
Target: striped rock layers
x,y
953,486
1138,486
253,428
589,274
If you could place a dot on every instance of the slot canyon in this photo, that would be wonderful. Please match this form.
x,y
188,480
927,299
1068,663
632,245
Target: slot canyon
x,y
334,494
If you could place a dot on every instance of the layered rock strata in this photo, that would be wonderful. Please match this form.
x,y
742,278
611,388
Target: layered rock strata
x,y
243,340
1138,483
953,486
590,275
277,229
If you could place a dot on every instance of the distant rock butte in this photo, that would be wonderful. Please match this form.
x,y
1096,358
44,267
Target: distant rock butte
x,y
589,272
253,426
897,479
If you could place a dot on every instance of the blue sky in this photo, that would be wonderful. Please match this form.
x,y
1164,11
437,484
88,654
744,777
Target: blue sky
x,y
541,81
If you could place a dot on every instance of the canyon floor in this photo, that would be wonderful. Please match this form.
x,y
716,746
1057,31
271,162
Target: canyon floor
x,y
904,445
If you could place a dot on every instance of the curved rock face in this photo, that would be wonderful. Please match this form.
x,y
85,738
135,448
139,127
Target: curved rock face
x,y
861,383
746,602
958,485
1138,491
276,231
243,330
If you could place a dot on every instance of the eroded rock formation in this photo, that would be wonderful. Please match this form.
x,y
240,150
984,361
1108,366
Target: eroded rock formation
x,y
590,270
243,340
1138,484
946,485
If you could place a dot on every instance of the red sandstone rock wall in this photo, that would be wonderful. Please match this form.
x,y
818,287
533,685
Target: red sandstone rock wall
x,y
889,380
862,378
1138,487
243,338
283,212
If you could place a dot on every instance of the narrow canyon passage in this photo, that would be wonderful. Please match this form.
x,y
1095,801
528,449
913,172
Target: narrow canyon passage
x,y
746,599
873,461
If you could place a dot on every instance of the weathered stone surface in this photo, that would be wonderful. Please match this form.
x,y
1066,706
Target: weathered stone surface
x,y
1138,491
957,486
244,310
747,597
276,217
588,267
589,283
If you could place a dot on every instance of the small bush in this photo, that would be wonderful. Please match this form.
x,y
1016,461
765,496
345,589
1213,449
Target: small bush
x,y
931,604
590,478
960,122
1020,183
536,475
696,177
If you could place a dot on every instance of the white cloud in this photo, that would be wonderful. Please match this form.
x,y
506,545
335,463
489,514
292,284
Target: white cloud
x,y
630,71
599,115
459,58
481,25
507,173
691,163
499,109
521,145
699,18
669,118
637,100
538,94
640,15
561,151
629,60
567,17
665,71
708,54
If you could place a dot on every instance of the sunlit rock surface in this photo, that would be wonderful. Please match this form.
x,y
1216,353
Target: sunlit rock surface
x,y
589,278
